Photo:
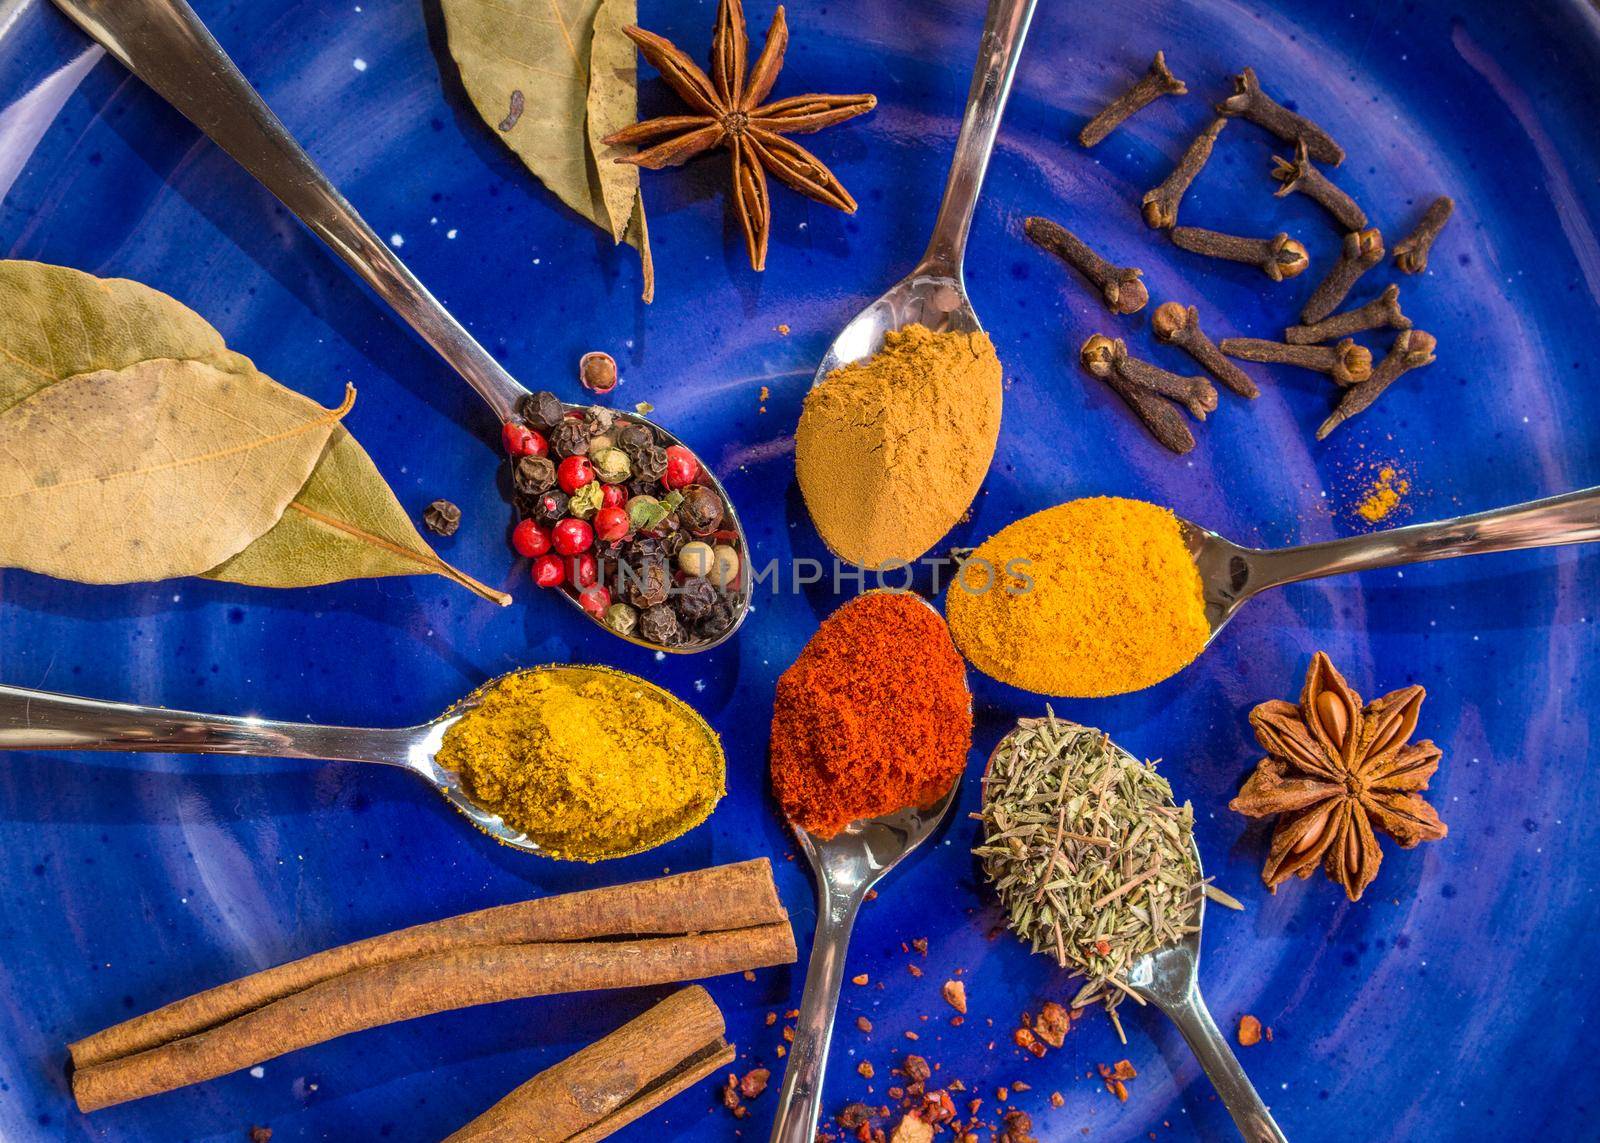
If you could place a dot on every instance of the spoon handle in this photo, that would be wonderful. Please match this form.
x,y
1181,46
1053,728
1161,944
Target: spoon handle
x,y
1573,518
1221,1066
165,44
43,720
1004,29
800,1101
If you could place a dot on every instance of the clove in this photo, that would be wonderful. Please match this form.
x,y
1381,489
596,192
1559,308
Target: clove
x,y
1362,250
1149,390
1179,325
1161,204
1347,363
1383,310
1248,101
1279,258
1119,286
1155,83
1411,252
1302,175
1412,349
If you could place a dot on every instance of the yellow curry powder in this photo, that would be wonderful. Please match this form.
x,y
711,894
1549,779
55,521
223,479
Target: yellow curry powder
x,y
890,451
590,763
1092,597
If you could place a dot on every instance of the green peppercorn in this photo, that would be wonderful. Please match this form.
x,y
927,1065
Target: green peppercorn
x,y
610,464
586,501
621,618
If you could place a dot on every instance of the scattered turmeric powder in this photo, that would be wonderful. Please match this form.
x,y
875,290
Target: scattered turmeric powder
x,y
589,762
1383,496
1093,597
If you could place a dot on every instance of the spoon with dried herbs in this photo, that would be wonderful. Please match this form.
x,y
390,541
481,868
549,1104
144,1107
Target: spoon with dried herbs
x,y
166,44
581,763
1097,867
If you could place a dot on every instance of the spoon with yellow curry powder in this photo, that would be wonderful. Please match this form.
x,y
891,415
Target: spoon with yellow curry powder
x,y
1103,596
903,415
576,762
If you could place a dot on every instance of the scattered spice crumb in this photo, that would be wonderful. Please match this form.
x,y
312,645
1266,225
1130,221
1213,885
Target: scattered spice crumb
x,y
772,1018
782,1051
782,328
1056,1099
864,1069
260,1134
1249,1031
916,1069
1003,1094
644,409
864,1024
750,976
914,970
730,1097
1028,1042
1020,1085
1053,1024
788,1034
912,1036
861,980
1116,1077
921,945
1383,495
1269,1033
754,1082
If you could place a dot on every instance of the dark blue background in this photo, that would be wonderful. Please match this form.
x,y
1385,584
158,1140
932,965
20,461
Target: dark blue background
x,y
1454,1002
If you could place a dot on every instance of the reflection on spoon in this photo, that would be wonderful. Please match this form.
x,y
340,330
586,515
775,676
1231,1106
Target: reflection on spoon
x,y
166,45
42,720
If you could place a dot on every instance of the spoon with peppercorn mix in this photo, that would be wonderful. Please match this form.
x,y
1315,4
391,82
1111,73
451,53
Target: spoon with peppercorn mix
x,y
165,44
1230,574
44,720
934,294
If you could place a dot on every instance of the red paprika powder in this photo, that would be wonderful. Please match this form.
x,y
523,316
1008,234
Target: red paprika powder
x,y
874,715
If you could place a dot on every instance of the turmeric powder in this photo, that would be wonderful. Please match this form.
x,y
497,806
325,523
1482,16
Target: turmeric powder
x,y
890,451
1089,598
589,762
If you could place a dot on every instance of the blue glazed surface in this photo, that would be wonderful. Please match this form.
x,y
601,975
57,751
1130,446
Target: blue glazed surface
x,y
1447,1005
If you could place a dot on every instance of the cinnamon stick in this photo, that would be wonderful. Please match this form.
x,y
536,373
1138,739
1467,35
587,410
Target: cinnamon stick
x,y
597,1091
462,975
736,896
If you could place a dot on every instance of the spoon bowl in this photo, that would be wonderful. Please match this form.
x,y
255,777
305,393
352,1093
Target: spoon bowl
x,y
44,720
926,296
165,44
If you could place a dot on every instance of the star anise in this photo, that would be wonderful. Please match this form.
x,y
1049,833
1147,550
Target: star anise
x,y
729,110
1335,772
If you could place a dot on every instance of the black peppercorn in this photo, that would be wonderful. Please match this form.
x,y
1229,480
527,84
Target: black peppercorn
x,y
672,543
542,411
442,518
701,511
717,620
598,419
647,583
533,474
646,548
570,438
650,463
694,598
550,506
631,436
659,624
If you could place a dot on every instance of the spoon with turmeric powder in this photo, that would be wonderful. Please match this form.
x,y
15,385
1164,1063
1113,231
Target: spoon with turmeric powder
x,y
523,757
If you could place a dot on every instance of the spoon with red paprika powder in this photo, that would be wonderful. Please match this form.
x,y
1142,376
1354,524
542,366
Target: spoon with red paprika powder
x,y
870,735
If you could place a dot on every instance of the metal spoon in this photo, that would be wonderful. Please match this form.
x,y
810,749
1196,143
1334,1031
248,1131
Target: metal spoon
x,y
44,720
1230,574
845,866
934,294
1169,979
166,45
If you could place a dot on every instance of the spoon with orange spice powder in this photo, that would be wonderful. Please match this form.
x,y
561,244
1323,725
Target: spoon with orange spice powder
x,y
870,734
1104,595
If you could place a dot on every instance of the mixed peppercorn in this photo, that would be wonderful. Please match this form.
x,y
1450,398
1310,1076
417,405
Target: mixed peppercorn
x,y
627,524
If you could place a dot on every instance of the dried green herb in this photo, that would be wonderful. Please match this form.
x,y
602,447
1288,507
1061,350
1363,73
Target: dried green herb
x,y
134,445
553,78
1093,862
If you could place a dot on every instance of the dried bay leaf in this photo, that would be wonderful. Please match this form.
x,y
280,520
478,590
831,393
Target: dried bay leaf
x,y
135,445
162,469
551,78
343,524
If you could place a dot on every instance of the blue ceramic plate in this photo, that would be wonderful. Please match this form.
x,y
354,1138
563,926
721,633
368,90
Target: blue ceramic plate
x,y
1451,1003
